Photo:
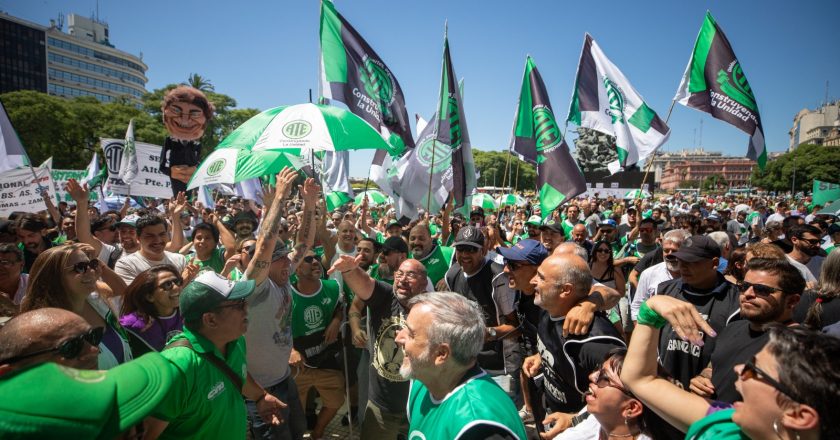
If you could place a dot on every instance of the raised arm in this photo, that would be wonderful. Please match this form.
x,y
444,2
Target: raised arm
x,y
258,267
81,196
357,279
677,406
444,218
227,238
54,214
177,239
306,234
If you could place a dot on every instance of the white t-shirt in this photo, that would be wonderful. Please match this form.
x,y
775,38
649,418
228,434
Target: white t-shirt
x,y
22,283
129,266
269,333
803,269
649,280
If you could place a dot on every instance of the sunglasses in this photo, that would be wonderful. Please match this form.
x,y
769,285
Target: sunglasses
x,y
69,349
811,241
170,284
603,381
751,371
236,305
309,259
759,289
466,249
83,266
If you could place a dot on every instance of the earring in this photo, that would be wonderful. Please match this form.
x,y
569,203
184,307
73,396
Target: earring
x,y
776,429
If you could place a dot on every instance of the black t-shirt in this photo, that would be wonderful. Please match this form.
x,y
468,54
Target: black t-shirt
x,y
650,259
682,359
529,318
567,362
481,288
387,389
830,309
736,344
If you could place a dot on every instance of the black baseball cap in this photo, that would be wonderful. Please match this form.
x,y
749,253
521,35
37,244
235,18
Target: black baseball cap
x,y
477,211
552,225
696,248
470,236
394,244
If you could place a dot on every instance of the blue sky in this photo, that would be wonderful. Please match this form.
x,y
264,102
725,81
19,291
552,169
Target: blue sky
x,y
265,53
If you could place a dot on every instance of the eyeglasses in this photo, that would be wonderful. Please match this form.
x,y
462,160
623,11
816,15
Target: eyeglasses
x,y
69,349
603,381
236,305
8,263
83,266
170,284
466,249
176,111
409,275
759,289
751,371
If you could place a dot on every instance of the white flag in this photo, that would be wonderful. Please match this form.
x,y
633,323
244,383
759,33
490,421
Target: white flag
x,y
129,167
12,154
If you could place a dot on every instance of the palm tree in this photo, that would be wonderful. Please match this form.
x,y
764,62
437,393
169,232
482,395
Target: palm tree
x,y
199,82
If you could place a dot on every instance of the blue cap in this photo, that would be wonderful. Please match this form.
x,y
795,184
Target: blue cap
x,y
608,222
530,251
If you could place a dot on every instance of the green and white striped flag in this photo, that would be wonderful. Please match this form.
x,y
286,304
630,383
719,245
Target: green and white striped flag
x,y
129,167
604,100
714,83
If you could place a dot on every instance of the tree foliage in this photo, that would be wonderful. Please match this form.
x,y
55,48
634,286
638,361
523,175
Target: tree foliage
x,y
810,162
713,182
69,129
488,162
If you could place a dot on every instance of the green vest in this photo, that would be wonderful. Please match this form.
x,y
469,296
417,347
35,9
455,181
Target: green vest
x,y
477,399
437,262
312,313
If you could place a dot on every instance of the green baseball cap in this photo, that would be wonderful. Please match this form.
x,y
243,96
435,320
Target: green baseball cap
x,y
210,289
534,220
129,220
52,401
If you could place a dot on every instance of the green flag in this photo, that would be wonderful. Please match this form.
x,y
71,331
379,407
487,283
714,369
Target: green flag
x,y
825,192
715,83
537,138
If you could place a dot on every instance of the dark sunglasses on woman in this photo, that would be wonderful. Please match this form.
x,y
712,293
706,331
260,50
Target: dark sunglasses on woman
x,y
83,266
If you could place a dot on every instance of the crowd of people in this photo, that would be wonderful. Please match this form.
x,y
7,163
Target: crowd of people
x,y
664,318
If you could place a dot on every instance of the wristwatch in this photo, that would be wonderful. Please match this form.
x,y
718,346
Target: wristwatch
x,y
491,332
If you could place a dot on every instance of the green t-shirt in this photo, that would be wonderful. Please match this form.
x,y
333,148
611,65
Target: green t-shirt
x,y
216,262
830,248
567,228
437,262
203,402
477,400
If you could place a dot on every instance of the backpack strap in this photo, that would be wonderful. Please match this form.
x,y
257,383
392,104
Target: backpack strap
x,y
210,357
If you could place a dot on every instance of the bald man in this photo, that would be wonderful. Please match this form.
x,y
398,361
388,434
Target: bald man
x,y
48,335
561,283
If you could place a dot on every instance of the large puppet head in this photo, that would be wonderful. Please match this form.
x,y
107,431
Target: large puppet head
x,y
185,113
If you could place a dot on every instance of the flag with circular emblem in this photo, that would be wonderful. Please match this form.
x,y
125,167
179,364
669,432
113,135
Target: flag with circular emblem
x,y
604,100
537,139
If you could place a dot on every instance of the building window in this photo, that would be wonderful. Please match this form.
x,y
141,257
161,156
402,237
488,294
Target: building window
x,y
61,59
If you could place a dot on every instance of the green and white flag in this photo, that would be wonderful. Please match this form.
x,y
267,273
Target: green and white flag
x,y
715,83
604,100
94,175
537,138
12,154
129,167
352,73
450,128
337,189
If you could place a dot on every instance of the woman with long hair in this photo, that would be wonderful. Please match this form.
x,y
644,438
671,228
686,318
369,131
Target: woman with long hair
x,y
736,267
790,388
66,277
603,269
150,308
821,308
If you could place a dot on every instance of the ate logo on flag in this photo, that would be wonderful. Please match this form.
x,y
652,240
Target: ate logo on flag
x,y
616,100
427,150
379,85
546,130
734,84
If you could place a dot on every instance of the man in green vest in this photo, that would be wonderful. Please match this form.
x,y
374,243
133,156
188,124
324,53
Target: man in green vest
x,y
450,396
435,258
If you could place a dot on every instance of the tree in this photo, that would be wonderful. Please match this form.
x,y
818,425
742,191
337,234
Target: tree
x,y
713,182
490,162
199,82
807,163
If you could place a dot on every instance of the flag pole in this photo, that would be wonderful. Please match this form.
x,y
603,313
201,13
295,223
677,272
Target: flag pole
x,y
439,116
653,154
507,167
